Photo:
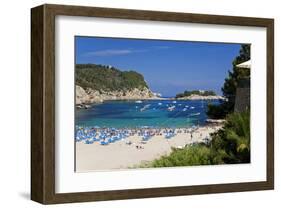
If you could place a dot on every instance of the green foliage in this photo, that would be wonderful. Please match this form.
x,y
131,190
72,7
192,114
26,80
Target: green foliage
x,y
230,84
217,111
229,145
99,77
196,92
234,138
194,155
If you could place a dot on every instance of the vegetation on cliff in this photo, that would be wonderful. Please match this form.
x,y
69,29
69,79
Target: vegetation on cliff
x,y
107,78
195,92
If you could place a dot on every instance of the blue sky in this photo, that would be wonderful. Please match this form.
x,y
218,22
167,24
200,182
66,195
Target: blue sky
x,y
169,67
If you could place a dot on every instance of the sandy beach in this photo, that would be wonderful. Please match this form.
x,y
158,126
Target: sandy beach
x,y
133,151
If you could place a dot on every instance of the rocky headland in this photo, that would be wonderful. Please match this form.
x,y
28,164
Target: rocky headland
x,y
200,97
88,96
98,83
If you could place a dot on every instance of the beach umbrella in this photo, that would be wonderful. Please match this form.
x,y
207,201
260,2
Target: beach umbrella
x,y
246,64
104,143
89,142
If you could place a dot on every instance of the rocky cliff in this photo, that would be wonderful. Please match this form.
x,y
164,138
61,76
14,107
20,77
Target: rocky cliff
x,y
88,96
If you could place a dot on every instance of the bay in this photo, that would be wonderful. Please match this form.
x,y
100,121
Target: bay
x,y
151,113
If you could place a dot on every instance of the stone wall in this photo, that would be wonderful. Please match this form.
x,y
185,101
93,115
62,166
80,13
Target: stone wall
x,y
243,95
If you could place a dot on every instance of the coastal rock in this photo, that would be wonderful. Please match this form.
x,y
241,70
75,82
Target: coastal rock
x,y
92,96
81,95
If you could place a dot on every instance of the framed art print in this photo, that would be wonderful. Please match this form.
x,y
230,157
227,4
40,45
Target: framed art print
x,y
135,104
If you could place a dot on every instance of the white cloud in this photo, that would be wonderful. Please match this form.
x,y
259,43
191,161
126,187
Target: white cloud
x,y
118,52
109,52
161,47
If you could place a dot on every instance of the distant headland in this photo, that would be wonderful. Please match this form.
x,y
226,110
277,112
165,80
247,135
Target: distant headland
x,y
198,95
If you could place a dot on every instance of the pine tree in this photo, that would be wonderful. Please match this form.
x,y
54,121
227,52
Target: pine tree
x,y
234,76
230,85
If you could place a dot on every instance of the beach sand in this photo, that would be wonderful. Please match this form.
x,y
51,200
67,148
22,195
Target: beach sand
x,y
119,155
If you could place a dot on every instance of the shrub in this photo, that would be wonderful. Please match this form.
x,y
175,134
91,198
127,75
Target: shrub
x,y
100,77
192,155
234,138
216,111
229,145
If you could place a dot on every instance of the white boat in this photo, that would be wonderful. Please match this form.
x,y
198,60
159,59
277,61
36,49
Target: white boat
x,y
174,102
159,103
195,114
184,109
192,107
171,108
138,101
145,107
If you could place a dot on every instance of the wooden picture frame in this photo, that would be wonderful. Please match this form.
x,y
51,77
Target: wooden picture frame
x,y
43,103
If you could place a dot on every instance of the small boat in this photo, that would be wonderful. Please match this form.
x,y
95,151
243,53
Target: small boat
x,y
192,107
145,107
79,106
184,109
138,101
171,108
195,114
159,103
174,102
87,106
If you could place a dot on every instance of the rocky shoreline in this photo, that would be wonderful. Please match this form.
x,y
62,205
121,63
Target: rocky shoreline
x,y
200,97
84,97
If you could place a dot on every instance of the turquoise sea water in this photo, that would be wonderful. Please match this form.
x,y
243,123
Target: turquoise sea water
x,y
152,113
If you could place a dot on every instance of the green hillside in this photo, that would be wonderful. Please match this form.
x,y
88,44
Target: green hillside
x,y
100,77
